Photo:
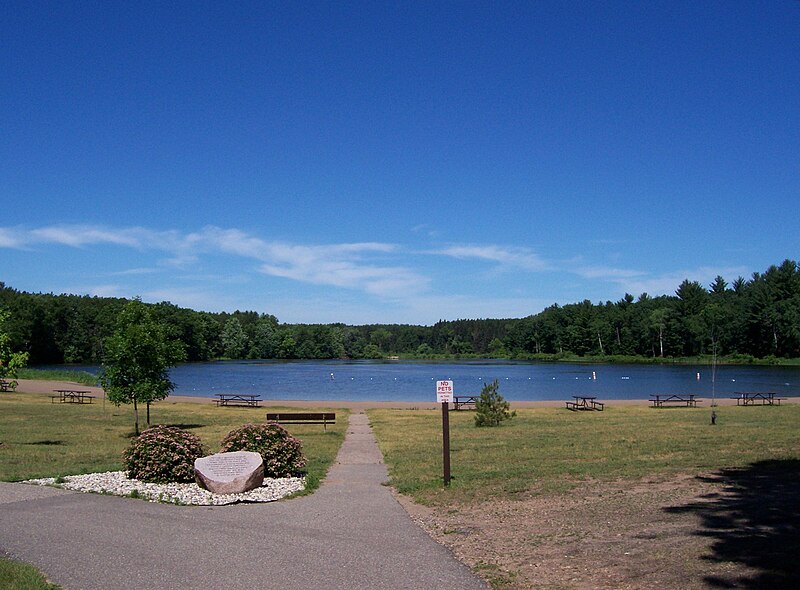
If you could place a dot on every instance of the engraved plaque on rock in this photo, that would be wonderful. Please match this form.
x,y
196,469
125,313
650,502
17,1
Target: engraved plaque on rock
x,y
229,473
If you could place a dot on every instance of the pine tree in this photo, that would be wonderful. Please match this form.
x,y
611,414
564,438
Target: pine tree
x,y
490,406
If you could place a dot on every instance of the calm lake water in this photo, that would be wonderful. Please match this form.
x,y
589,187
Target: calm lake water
x,y
416,381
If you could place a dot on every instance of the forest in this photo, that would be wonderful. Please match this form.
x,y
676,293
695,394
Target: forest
x,y
747,320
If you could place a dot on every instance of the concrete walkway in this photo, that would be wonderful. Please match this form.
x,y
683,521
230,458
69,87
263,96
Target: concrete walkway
x,y
350,534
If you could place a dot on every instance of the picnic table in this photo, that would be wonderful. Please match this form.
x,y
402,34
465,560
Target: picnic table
x,y
237,399
752,398
585,402
659,400
464,401
72,396
7,385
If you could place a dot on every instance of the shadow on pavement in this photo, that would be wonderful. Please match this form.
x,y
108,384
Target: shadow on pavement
x,y
754,521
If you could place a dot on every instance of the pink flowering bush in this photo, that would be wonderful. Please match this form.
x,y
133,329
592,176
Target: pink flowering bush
x,y
163,454
282,453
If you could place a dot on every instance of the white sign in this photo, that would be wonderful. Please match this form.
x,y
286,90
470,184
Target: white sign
x,y
444,392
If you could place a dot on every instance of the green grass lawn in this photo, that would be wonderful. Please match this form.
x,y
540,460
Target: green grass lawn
x,y
550,450
20,576
42,439
82,377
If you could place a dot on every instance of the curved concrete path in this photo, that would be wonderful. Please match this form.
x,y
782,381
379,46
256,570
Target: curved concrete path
x,y
350,534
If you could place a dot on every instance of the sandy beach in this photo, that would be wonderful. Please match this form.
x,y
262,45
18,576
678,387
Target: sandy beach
x,y
48,387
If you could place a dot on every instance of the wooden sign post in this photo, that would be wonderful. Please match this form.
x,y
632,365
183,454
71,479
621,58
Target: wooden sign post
x,y
444,395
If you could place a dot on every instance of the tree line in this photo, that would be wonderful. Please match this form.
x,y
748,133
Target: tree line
x,y
747,319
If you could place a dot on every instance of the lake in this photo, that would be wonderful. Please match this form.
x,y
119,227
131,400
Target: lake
x,y
415,381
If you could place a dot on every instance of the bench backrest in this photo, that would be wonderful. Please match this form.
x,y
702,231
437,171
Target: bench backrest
x,y
288,417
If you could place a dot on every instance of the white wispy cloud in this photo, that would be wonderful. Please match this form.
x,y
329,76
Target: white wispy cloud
x,y
200,298
608,273
432,308
637,282
215,268
11,238
230,241
522,258
78,236
359,265
348,265
135,271
102,291
344,265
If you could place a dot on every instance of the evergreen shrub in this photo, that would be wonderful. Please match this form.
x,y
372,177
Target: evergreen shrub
x,y
163,454
491,409
282,453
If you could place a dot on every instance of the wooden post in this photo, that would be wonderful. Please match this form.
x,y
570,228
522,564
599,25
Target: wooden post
x,y
446,442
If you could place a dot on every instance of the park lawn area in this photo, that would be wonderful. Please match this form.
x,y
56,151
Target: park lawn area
x,y
553,450
21,576
43,439
82,377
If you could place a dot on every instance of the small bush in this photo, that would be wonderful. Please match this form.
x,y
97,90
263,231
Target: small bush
x,y
163,454
491,408
282,453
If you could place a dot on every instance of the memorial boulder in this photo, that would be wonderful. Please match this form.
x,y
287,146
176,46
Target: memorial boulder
x,y
230,473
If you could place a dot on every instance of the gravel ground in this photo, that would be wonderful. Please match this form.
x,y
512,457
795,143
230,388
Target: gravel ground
x,y
118,484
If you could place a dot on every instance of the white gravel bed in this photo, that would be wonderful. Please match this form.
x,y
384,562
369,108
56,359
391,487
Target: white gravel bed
x,y
118,484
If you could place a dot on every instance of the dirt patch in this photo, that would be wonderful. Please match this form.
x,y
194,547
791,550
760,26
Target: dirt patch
x,y
623,535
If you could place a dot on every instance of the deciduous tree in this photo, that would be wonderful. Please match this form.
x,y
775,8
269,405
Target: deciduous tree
x,y
137,358
10,361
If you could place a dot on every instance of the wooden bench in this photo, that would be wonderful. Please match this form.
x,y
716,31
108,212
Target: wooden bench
x,y
7,385
461,402
237,399
323,418
687,400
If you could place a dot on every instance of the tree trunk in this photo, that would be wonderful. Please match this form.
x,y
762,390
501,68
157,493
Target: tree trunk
x,y
661,341
136,417
600,341
148,414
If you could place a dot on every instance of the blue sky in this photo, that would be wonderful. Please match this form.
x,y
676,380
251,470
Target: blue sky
x,y
403,162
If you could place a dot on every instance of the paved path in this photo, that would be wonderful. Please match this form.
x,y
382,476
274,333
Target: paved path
x,y
350,534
